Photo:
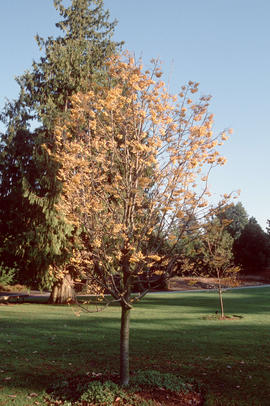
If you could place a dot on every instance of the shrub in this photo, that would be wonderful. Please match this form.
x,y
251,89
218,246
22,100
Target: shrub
x,y
79,391
65,391
14,288
102,393
6,275
156,379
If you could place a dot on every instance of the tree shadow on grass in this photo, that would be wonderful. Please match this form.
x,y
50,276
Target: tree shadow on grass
x,y
166,333
247,301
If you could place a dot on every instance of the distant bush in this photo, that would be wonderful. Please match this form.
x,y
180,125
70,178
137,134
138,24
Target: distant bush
x,y
14,288
7,275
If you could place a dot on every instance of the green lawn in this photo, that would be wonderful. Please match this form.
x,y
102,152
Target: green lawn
x,y
40,343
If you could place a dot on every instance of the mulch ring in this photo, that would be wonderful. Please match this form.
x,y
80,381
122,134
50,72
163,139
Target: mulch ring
x,y
219,317
155,396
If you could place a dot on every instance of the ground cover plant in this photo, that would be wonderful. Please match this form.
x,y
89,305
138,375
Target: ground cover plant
x,y
45,344
147,388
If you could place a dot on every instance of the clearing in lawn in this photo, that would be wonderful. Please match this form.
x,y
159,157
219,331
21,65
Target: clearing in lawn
x,y
175,333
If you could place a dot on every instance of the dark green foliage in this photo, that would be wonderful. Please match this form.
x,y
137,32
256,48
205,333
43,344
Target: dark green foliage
x,y
102,393
33,233
6,275
68,389
268,227
70,60
82,389
238,216
156,379
252,248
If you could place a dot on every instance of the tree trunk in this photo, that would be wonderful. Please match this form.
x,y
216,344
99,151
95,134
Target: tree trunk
x,y
124,346
220,299
63,291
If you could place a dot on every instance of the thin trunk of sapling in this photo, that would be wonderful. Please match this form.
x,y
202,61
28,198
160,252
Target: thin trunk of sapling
x,y
220,297
124,346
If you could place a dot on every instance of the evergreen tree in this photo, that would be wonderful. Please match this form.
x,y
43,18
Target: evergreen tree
x,y
252,249
33,233
238,218
268,227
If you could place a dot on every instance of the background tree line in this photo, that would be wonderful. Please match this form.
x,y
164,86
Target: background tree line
x,y
243,240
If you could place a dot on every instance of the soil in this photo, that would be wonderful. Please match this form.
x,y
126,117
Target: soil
x,y
226,317
166,398
155,396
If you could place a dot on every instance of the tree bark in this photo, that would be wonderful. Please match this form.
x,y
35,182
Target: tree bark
x,y
124,346
220,299
63,291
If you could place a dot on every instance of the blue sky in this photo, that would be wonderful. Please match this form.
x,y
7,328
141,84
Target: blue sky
x,y
223,44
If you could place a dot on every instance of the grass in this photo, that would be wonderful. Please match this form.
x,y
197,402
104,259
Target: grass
x,y
170,332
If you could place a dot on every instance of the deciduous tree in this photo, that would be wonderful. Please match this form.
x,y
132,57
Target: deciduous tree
x,y
216,254
135,162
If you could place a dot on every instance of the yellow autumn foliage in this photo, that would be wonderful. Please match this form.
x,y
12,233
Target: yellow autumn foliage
x,y
133,167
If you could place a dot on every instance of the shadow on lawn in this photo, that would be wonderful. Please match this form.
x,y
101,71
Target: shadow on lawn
x,y
167,349
246,301
39,350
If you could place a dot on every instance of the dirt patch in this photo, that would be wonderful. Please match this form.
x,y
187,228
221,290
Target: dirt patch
x,y
157,397
166,398
218,317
